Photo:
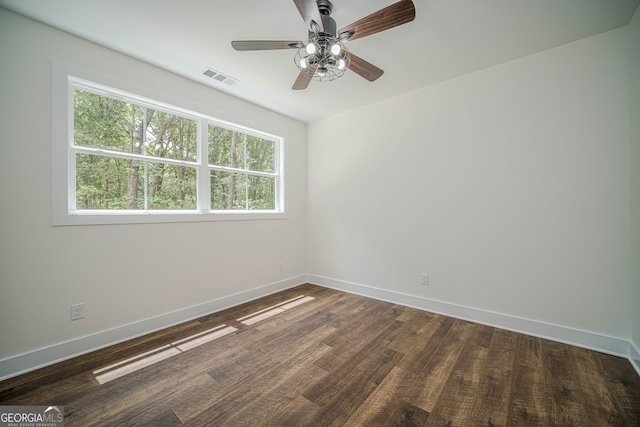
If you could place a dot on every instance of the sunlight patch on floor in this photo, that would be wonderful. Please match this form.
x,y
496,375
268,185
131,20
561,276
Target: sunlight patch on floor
x,y
137,365
205,338
265,313
133,364
131,359
149,358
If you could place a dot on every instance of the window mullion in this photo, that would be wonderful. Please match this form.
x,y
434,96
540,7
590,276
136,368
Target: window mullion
x,y
204,176
145,178
131,156
246,177
243,171
279,176
71,155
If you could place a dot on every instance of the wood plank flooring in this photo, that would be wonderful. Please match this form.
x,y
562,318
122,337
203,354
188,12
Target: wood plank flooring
x,y
312,356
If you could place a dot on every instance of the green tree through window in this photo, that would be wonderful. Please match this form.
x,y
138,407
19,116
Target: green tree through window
x,y
131,155
243,170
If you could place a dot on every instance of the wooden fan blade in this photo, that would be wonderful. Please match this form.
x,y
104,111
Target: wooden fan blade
x,y
397,14
364,68
265,44
310,12
303,81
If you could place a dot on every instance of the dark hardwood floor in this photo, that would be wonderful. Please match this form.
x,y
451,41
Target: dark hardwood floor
x,y
319,357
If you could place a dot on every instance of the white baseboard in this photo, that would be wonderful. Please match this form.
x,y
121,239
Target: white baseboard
x,y
26,362
585,339
634,356
36,359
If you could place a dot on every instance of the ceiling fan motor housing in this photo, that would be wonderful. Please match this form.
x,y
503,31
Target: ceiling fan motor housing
x,y
325,7
328,23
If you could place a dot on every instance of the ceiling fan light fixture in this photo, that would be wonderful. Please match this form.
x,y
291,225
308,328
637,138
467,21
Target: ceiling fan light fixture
x,y
329,57
311,48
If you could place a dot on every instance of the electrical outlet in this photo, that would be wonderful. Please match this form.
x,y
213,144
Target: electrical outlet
x,y
281,266
77,311
424,279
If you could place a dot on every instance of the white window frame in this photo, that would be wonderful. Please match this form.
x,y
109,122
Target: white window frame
x,y
66,79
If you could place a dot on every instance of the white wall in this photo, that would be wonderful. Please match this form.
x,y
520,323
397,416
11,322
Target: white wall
x,y
124,274
635,183
509,186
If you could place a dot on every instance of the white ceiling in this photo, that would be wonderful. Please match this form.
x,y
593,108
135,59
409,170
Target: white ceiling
x,y
448,38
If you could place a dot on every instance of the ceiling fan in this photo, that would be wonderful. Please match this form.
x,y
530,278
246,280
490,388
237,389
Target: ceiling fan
x,y
323,56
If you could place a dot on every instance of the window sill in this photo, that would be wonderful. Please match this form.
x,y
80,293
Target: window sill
x,y
100,217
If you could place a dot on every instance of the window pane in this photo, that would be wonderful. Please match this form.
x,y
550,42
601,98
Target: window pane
x,y
171,187
260,154
170,136
237,191
108,183
241,151
262,192
220,142
102,122
104,182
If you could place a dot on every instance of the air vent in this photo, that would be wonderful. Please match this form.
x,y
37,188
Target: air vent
x,y
223,78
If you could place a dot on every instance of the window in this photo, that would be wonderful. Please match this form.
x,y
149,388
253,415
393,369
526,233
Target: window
x,y
128,156
242,170
131,158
